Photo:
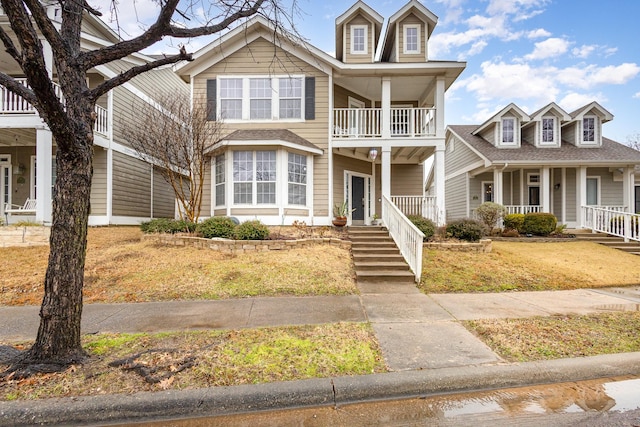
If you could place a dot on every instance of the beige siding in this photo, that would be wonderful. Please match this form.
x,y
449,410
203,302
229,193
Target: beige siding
x,y
341,97
359,58
530,135
123,113
99,182
406,180
571,194
610,190
258,58
506,189
411,19
455,201
20,156
569,133
207,192
220,212
254,211
475,189
516,187
340,164
131,186
461,157
296,212
490,134
163,197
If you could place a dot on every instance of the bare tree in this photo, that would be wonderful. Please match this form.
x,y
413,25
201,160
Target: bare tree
x,y
633,141
58,341
177,137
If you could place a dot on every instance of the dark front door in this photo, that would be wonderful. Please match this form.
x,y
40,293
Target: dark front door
x,y
534,196
357,201
637,199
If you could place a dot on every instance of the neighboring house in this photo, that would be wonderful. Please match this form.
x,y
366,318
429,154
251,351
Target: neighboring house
x,y
125,190
548,161
304,130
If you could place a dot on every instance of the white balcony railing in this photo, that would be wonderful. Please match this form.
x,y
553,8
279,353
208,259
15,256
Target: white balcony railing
x,y
406,235
368,123
424,206
611,221
10,103
522,209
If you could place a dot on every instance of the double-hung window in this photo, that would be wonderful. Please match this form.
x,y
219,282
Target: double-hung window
x,y
290,96
589,129
231,98
508,131
358,39
548,130
411,39
254,177
220,180
297,176
260,98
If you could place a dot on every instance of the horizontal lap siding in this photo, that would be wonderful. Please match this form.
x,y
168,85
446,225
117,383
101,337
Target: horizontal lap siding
x,y
461,157
131,186
99,182
341,97
258,59
359,58
413,57
406,180
455,201
571,194
610,190
340,164
163,196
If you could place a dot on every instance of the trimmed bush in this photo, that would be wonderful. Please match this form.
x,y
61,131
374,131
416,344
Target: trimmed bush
x,y
466,229
424,224
513,222
251,230
490,213
217,226
539,223
167,225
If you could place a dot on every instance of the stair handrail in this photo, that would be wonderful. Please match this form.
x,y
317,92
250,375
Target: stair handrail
x,y
405,234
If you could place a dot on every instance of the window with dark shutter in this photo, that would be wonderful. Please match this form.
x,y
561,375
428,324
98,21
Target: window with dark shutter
x,y
310,98
211,99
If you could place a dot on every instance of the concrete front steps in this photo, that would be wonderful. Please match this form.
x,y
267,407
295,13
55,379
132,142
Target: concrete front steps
x,y
376,257
614,242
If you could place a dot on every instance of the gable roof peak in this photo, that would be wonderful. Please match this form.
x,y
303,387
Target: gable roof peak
x,y
604,114
553,108
524,117
359,6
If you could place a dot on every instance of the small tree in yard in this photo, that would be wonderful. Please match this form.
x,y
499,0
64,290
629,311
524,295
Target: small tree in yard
x,y
71,123
490,213
176,136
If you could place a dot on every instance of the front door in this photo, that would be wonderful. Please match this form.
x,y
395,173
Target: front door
x,y
637,198
5,181
534,196
357,200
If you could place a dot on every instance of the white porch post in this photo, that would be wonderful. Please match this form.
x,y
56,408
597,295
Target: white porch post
x,y
439,104
386,171
628,188
497,186
563,189
581,193
385,104
439,181
544,189
44,144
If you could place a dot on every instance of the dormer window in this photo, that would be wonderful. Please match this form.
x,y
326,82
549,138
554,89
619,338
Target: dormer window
x,y
411,39
508,131
359,39
548,130
589,130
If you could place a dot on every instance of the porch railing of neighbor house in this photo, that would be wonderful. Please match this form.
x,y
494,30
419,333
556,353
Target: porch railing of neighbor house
x,y
424,206
406,235
367,122
615,222
10,103
522,209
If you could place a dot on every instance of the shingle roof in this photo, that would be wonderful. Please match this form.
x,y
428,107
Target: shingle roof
x,y
610,151
269,135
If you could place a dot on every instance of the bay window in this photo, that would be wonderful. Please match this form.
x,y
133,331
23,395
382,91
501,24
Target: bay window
x,y
297,176
220,180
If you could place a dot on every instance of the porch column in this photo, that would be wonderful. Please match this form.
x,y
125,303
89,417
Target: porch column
x,y
386,171
545,196
581,194
439,184
497,186
628,188
44,144
385,104
439,104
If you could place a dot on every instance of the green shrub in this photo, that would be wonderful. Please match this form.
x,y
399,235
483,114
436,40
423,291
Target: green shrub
x,y
167,225
490,213
251,230
466,229
513,222
424,224
539,223
217,226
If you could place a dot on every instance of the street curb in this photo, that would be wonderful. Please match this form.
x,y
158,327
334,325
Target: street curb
x,y
314,392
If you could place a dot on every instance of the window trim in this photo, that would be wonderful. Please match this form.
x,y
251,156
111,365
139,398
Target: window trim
x,y
303,185
503,121
483,191
365,48
553,130
275,98
405,47
595,130
220,160
597,178
530,181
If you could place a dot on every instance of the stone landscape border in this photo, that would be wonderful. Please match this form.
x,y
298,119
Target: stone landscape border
x,y
483,246
24,236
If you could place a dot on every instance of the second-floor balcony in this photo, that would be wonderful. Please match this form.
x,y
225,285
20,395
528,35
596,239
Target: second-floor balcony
x,y
12,104
371,123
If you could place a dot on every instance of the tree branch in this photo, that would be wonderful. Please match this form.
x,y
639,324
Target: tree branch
x,y
105,87
46,27
10,46
18,88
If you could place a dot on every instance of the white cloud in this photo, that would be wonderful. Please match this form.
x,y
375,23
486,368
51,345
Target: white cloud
x,y
548,48
575,100
538,33
637,95
584,51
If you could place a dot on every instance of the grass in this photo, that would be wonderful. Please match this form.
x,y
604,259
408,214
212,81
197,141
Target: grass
x,y
211,358
122,268
518,266
555,337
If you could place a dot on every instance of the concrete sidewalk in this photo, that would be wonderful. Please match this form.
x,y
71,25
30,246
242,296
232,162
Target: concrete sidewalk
x,y
421,338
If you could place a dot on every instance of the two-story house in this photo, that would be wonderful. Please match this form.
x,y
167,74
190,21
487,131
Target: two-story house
x,y
125,189
304,130
547,161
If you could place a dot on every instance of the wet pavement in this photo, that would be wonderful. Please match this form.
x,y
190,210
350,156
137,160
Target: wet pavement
x,y
613,401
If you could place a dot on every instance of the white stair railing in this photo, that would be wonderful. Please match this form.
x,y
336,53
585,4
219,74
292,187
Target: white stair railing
x,y
612,221
405,234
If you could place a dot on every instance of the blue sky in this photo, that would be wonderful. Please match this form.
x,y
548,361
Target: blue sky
x,y
529,52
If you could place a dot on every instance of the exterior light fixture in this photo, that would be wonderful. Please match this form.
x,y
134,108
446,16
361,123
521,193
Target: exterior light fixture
x,y
373,153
